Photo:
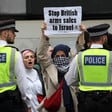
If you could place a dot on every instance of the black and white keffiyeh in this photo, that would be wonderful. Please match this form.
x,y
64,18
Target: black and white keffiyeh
x,y
62,63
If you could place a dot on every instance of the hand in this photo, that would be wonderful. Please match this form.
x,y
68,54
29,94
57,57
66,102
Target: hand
x,y
82,27
43,28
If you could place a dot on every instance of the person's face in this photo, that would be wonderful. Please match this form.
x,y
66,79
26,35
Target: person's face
x,y
49,51
60,54
10,37
29,59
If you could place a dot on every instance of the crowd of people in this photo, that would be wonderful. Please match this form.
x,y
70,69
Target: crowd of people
x,y
50,79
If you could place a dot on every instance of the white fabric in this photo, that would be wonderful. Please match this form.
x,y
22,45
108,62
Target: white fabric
x,y
35,85
96,46
3,43
72,72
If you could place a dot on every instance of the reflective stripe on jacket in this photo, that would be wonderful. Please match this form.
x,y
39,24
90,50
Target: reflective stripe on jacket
x,y
95,69
7,64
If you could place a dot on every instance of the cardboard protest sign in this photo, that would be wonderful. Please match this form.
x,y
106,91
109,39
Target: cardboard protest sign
x,y
62,20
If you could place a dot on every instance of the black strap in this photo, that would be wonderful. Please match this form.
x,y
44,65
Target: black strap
x,y
67,97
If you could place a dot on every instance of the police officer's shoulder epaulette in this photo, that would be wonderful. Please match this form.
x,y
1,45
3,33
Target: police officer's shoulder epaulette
x,y
12,47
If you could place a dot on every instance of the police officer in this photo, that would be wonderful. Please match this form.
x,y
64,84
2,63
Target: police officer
x,y
12,70
91,71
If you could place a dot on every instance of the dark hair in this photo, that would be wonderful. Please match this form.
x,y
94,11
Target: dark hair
x,y
87,39
62,47
108,45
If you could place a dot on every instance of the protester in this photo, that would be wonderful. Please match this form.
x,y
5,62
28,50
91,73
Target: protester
x,y
12,70
34,80
91,72
83,40
53,69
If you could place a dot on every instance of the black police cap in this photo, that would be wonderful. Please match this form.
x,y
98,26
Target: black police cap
x,y
98,30
8,24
